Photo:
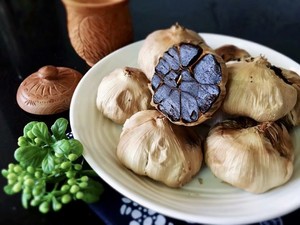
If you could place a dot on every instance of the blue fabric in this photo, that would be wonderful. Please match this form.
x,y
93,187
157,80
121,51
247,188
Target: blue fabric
x,y
115,209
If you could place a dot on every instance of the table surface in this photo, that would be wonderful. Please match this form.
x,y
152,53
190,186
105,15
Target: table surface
x,y
34,34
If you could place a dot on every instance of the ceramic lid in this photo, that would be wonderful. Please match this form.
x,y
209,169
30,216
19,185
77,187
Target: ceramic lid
x,y
48,91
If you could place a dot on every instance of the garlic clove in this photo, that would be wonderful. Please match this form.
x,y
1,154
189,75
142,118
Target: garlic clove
x,y
255,89
152,146
230,52
122,93
255,157
189,83
159,41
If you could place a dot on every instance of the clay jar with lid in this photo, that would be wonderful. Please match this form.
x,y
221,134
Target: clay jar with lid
x,y
98,27
48,91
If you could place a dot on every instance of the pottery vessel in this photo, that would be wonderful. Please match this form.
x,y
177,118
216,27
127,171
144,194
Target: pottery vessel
x,y
48,91
98,27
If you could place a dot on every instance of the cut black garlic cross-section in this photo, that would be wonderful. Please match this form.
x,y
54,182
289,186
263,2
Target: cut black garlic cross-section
x,y
189,83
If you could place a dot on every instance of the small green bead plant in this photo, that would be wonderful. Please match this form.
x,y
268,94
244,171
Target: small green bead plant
x,y
50,172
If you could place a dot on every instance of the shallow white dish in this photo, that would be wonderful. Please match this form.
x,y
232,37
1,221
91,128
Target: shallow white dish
x,y
211,202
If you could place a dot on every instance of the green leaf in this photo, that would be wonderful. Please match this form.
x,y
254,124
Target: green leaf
x,y
76,147
93,191
28,127
59,128
61,147
41,131
30,155
48,163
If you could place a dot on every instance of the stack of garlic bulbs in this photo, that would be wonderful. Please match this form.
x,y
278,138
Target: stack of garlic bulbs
x,y
188,84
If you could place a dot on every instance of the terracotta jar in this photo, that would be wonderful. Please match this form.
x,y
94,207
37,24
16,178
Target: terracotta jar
x,y
98,27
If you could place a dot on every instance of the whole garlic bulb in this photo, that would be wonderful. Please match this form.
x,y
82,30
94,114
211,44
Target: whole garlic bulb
x,y
231,52
255,89
255,157
122,93
293,117
152,146
159,41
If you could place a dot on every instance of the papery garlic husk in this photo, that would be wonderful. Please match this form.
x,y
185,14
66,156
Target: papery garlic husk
x,y
159,41
218,117
231,52
122,93
255,157
293,117
255,89
152,146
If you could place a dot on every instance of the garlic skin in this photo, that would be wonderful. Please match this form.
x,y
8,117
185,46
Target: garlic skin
x,y
256,91
152,146
159,41
231,53
122,93
293,117
253,157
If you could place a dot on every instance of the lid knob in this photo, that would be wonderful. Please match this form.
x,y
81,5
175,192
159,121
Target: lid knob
x,y
48,72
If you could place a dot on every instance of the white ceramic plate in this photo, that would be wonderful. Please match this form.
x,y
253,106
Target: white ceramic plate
x,y
211,202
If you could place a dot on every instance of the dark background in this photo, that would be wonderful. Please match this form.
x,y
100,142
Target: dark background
x,y
33,34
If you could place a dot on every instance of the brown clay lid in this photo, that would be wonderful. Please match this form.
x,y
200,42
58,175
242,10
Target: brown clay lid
x,y
48,91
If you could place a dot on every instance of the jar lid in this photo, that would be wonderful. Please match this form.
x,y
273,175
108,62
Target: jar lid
x,y
48,91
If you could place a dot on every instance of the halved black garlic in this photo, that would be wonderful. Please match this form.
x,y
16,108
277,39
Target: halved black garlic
x,y
159,41
189,83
